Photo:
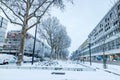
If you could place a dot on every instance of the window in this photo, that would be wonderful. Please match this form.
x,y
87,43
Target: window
x,y
100,30
118,7
101,25
105,19
111,15
115,22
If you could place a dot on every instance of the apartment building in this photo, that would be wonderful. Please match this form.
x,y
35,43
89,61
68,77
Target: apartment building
x,y
12,44
105,37
3,27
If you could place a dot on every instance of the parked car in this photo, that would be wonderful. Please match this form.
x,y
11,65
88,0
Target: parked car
x,y
118,59
12,59
3,61
6,59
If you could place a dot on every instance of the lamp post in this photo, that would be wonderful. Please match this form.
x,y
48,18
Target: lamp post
x,y
83,57
90,53
34,45
104,56
89,45
43,47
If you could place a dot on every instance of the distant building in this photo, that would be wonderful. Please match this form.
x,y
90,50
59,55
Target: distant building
x,y
12,44
105,37
3,27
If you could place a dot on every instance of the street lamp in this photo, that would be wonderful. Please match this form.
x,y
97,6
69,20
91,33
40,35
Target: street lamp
x,y
34,45
83,56
89,45
104,56
90,53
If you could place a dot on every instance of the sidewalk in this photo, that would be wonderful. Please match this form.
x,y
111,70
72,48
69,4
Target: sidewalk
x,y
115,69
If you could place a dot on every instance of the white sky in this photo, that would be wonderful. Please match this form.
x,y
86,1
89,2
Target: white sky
x,y
82,17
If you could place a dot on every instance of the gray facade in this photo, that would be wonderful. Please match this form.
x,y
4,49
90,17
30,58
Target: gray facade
x,y
105,37
3,27
12,44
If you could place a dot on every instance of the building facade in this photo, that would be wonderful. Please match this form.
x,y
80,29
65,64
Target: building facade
x,y
12,44
3,28
105,37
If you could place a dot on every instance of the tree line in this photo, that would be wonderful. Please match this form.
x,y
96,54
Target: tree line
x,y
56,36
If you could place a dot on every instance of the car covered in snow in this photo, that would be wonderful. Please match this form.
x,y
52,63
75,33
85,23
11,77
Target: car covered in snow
x,y
3,61
6,59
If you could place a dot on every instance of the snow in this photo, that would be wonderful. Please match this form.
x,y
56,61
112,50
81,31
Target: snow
x,y
16,74
45,74
6,56
112,68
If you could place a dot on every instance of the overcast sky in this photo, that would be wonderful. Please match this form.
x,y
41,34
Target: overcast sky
x,y
80,18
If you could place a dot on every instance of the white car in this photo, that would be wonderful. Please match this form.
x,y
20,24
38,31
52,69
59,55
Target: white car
x,y
3,61
6,59
12,59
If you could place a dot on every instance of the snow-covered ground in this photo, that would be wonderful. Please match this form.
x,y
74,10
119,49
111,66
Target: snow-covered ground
x,y
39,74
110,67
16,74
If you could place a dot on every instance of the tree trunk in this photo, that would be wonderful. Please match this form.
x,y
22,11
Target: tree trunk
x,y
58,56
56,53
22,42
51,54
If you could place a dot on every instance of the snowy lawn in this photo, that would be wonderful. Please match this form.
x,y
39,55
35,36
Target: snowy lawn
x,y
39,74
27,74
112,68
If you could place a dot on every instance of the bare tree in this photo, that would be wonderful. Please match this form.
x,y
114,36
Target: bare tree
x,y
62,41
47,31
56,36
27,14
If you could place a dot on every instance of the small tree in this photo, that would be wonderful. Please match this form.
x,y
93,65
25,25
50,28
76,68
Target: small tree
x,y
27,14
